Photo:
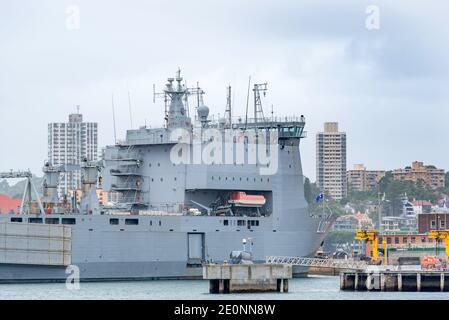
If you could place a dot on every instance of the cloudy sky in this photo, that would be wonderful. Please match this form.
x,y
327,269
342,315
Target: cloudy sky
x,y
388,87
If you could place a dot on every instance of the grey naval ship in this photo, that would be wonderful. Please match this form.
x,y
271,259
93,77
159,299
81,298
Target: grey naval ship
x,y
185,194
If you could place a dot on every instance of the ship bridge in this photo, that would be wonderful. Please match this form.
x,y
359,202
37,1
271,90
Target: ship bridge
x,y
288,127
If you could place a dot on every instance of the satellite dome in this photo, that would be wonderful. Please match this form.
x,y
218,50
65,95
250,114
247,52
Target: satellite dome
x,y
203,112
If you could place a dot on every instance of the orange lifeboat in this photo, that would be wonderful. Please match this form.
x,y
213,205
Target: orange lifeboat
x,y
241,199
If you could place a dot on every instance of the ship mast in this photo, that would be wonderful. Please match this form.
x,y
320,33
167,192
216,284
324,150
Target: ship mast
x,y
176,99
228,111
258,110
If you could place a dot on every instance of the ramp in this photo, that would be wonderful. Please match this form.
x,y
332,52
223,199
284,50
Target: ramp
x,y
36,244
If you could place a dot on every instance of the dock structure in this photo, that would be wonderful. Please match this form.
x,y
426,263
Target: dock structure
x,y
419,280
247,278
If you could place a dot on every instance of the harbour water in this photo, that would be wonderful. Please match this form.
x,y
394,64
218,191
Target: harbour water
x,y
310,288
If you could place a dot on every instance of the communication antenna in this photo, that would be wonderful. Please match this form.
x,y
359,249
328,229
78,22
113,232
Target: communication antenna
x,y
113,119
228,111
247,102
165,96
129,106
186,101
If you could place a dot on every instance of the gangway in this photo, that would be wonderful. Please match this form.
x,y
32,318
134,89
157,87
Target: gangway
x,y
317,262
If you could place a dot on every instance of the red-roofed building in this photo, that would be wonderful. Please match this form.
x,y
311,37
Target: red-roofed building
x,y
422,206
8,204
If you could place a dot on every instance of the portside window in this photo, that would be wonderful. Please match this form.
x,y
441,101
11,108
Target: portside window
x,y
52,220
68,221
132,222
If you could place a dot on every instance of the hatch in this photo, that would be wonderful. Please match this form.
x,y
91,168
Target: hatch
x,y
195,244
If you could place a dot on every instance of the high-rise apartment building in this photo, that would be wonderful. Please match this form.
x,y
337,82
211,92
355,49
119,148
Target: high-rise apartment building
x,y
331,161
70,143
360,179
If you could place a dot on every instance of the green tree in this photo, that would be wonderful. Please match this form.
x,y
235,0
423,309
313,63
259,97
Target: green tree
x,y
310,191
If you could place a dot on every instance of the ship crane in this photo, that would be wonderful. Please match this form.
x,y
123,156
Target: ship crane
x,y
27,193
89,181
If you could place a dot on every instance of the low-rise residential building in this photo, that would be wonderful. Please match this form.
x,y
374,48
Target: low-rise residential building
x,y
422,206
429,174
351,222
345,223
360,179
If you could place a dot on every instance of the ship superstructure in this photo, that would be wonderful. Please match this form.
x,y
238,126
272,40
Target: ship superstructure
x,y
186,193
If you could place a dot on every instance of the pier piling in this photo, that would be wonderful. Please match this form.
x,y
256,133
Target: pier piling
x,y
388,280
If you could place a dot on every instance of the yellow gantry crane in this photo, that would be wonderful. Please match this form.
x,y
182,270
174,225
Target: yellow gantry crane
x,y
441,235
370,235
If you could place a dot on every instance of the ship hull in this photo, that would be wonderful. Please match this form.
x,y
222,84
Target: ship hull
x,y
153,250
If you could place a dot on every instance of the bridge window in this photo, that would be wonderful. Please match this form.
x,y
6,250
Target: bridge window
x,y
113,221
35,220
225,222
16,219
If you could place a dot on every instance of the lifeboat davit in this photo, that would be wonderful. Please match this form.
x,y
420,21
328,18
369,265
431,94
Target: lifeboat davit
x,y
241,199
